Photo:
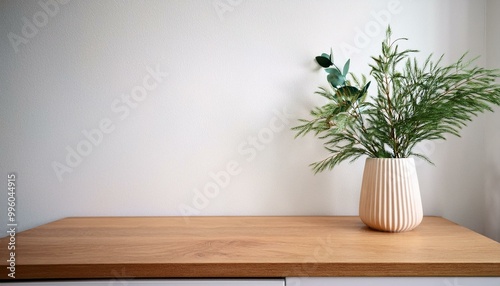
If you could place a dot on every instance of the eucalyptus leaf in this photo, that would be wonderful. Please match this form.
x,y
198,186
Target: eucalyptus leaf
x,y
336,79
346,67
364,92
333,70
349,92
324,62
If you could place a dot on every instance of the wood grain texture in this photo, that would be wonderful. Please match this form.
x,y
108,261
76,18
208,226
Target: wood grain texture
x,y
138,247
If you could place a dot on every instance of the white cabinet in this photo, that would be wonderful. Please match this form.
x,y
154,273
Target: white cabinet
x,y
160,282
393,281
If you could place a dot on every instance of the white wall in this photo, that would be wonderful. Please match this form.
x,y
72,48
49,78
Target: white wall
x,y
492,134
227,72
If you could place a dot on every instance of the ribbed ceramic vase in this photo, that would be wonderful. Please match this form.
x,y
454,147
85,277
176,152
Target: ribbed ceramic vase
x,y
390,195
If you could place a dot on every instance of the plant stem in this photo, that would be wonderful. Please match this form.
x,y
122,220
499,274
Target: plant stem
x,y
390,116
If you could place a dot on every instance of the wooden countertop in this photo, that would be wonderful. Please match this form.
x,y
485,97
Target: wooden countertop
x,y
136,247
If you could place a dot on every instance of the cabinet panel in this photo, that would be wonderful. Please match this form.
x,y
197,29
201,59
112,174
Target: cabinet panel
x,y
160,282
394,281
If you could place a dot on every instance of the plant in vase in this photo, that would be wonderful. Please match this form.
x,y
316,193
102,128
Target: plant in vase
x,y
414,103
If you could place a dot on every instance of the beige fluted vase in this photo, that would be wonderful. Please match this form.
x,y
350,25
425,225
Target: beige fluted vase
x,y
390,195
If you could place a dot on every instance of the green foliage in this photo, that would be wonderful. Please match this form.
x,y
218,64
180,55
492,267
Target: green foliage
x,y
414,102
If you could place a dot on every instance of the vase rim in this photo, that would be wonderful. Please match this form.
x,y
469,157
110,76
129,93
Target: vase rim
x,y
407,158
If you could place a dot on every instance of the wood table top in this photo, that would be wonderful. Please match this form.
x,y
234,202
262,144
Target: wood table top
x,y
292,246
